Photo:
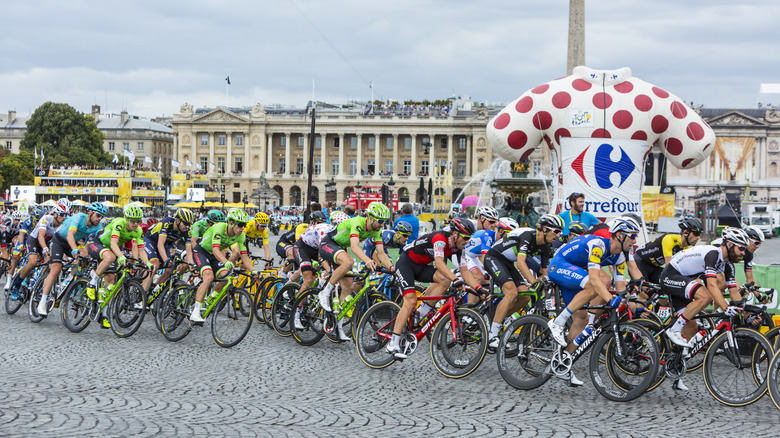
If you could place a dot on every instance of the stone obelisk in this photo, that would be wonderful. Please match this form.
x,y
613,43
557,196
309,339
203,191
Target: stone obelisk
x,y
576,52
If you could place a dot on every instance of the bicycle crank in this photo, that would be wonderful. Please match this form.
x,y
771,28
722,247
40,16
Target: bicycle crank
x,y
408,344
675,366
561,362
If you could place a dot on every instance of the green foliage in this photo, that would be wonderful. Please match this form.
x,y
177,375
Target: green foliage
x,y
471,210
16,169
67,136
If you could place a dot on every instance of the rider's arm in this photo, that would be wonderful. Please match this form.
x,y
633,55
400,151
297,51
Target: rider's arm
x,y
524,269
595,254
382,254
161,247
72,238
711,275
42,235
354,245
469,278
115,246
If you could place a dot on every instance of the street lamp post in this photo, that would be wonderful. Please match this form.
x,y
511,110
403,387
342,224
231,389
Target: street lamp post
x,y
390,189
359,187
245,199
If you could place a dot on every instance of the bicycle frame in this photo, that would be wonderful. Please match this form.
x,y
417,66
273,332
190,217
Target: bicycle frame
x,y
375,284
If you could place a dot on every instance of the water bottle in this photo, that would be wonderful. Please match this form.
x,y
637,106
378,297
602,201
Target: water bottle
x,y
585,333
349,299
336,304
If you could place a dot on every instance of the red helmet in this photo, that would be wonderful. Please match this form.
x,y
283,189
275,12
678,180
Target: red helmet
x,y
462,226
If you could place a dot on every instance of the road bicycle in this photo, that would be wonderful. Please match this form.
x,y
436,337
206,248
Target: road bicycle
x,y
773,379
57,291
18,295
458,344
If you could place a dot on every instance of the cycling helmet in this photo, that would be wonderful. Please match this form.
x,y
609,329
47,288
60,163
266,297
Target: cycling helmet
x,y
338,217
7,221
736,235
507,223
488,212
98,207
577,228
238,215
403,227
133,212
551,221
16,215
64,203
624,224
633,216
262,218
37,213
185,215
150,222
379,211
690,223
58,209
462,226
754,233
316,216
216,216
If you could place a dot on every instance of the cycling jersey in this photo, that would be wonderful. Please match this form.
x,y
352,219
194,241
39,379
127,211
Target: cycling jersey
x,y
217,237
288,238
355,227
656,251
698,260
369,247
77,222
521,241
27,226
313,235
118,229
252,231
569,267
47,225
480,243
167,228
198,229
432,245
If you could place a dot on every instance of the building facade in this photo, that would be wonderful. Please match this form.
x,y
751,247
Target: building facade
x,y
420,152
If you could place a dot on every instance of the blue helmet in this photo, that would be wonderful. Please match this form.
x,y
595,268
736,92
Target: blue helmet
x,y
37,212
98,207
403,227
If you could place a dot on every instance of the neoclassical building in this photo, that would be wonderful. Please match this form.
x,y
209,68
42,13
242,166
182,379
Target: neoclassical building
x,y
236,146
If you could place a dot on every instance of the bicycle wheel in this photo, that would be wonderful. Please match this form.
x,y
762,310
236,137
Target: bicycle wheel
x,y
259,296
267,301
281,308
374,331
773,380
628,371
731,375
232,317
456,355
35,297
127,309
364,303
773,336
13,305
175,311
308,318
157,305
524,365
664,348
76,306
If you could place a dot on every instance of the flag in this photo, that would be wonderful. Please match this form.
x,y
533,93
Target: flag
x,y
130,155
211,165
198,166
189,163
42,154
228,80
175,163
147,159
115,160
159,162
35,148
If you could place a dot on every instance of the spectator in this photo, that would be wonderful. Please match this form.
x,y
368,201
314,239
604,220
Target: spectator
x,y
576,213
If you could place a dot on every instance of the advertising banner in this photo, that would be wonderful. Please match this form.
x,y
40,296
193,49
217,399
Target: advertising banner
x,y
180,183
196,195
18,193
124,190
148,193
607,171
86,173
76,190
656,204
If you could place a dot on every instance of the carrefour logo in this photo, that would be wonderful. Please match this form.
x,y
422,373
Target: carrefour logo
x,y
604,166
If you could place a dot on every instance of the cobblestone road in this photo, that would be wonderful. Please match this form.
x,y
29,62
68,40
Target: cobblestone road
x,y
57,384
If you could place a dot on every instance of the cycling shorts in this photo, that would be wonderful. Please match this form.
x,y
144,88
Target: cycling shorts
x,y
33,246
58,248
649,271
571,278
96,249
329,250
304,254
204,259
152,252
502,270
680,287
282,249
407,271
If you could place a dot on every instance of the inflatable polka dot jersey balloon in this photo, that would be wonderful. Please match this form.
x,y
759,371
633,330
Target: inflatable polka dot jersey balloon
x,y
601,124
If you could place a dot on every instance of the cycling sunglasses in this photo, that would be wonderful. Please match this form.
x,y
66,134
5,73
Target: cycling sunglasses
x,y
134,221
381,221
555,230
465,236
490,221
696,233
240,224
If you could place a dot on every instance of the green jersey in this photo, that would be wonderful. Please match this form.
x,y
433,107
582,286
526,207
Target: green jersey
x,y
198,229
118,228
355,226
217,237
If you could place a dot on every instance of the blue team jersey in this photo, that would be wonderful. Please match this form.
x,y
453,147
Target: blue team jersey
x,y
480,243
27,226
387,242
79,223
590,251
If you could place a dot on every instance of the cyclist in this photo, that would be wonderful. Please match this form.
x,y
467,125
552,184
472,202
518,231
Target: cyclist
x,y
414,264
306,249
507,264
395,238
25,229
576,229
756,239
258,229
198,229
210,257
66,240
348,235
284,248
650,259
576,268
37,243
10,232
682,278
108,247
479,244
161,239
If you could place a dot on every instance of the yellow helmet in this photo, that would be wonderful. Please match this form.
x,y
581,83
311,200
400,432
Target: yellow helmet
x,y
262,218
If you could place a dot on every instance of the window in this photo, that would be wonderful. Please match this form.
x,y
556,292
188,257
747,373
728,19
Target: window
x,y
239,140
300,141
389,166
408,167
335,142
462,143
408,143
204,139
140,146
317,166
221,164
8,145
236,185
353,142
443,143
221,138
371,142
461,169
299,165
239,164
537,168
281,165
126,146
389,143
318,142
334,166
424,166
111,146
283,141
371,168
352,166
204,163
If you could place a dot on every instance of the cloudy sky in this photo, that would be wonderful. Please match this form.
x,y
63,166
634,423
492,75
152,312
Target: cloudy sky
x,y
152,56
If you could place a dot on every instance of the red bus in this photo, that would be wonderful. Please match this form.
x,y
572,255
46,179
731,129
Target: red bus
x,y
367,195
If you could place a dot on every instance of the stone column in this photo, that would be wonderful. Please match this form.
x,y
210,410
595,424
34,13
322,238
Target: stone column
x,y
323,156
432,157
414,171
377,146
247,145
469,157
305,155
229,159
269,164
576,52
359,155
212,146
397,164
287,154
342,146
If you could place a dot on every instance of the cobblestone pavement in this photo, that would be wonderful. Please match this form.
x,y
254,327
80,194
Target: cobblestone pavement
x,y
58,384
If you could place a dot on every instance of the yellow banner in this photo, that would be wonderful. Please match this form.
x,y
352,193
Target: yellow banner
x,y
656,204
213,195
148,193
77,190
124,190
85,173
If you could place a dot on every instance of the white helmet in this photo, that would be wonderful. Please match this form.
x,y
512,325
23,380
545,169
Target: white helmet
x,y
625,224
488,212
754,233
58,209
338,217
64,203
16,215
736,235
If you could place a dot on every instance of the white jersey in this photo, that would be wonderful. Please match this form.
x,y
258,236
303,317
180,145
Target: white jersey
x,y
47,224
313,235
698,260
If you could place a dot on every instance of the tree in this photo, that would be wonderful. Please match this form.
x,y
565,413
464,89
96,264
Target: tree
x,y
16,169
65,136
